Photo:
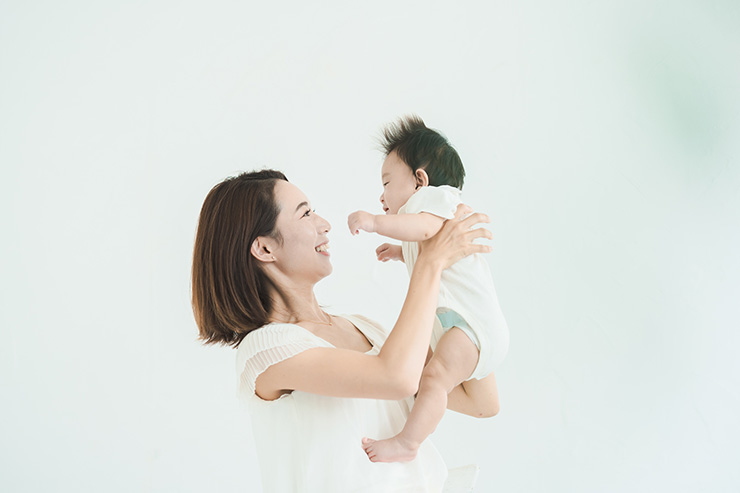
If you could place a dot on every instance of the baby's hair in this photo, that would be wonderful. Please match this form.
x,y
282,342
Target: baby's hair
x,y
423,148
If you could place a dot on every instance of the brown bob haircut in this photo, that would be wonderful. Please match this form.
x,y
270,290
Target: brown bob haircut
x,y
230,289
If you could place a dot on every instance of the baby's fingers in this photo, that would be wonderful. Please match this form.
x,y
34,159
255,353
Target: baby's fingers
x,y
382,248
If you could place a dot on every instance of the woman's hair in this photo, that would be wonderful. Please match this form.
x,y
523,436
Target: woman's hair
x,y
230,289
422,147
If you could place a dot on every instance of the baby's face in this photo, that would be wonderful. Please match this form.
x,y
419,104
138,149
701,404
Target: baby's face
x,y
399,183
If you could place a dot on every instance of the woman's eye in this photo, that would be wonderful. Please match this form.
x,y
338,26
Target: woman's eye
x,y
308,212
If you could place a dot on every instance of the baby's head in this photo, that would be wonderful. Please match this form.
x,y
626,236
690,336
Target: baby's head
x,y
415,156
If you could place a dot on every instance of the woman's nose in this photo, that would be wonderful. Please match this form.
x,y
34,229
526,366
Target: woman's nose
x,y
324,225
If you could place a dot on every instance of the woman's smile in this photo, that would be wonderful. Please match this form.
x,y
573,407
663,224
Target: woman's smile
x,y
323,249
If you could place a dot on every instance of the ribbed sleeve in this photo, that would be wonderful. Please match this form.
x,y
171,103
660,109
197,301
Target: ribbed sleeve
x,y
267,346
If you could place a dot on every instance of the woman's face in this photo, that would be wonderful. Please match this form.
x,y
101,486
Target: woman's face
x,y
303,255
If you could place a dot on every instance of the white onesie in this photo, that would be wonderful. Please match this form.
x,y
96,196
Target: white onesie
x,y
466,290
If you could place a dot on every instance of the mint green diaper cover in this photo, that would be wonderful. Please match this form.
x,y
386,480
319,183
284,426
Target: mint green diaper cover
x,y
450,318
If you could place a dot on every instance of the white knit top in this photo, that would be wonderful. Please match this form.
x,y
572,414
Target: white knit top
x,y
312,443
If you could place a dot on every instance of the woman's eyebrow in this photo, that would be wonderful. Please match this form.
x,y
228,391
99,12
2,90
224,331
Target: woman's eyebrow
x,y
301,205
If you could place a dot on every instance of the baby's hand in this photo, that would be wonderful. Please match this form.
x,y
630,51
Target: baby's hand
x,y
387,251
361,220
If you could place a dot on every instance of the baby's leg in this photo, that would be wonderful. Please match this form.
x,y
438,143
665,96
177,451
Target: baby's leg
x,y
452,363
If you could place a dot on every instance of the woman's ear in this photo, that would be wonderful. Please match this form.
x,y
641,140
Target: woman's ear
x,y
422,178
262,250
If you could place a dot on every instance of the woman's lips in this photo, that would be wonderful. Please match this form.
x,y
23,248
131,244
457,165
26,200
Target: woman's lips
x,y
323,249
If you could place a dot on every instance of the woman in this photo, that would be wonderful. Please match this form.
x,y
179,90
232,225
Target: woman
x,y
317,383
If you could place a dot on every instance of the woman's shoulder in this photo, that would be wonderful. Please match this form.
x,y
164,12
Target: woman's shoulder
x,y
274,335
268,345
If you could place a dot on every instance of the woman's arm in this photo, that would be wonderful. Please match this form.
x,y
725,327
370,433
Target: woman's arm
x,y
395,372
392,374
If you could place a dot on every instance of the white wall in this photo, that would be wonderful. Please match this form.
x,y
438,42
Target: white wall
x,y
602,137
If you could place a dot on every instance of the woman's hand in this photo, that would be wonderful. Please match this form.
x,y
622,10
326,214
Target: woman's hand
x,y
455,240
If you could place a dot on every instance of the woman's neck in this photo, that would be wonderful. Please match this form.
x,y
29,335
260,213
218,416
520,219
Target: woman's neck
x,y
296,304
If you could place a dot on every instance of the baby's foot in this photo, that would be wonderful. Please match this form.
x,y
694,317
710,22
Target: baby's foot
x,y
389,450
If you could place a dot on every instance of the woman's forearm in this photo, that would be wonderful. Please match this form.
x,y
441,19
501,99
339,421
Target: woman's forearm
x,y
405,350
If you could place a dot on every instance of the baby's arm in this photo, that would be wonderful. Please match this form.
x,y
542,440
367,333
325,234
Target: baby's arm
x,y
403,227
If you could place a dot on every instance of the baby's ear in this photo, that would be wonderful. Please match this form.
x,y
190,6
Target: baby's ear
x,y
422,178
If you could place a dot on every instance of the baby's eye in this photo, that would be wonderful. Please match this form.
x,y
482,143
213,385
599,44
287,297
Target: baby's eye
x,y
386,183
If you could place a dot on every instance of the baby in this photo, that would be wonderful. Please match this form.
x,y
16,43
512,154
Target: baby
x,y
422,177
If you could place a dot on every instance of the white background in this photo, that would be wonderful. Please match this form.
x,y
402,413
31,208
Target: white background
x,y
603,138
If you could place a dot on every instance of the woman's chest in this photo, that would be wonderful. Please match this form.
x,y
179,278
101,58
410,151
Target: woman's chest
x,y
344,335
